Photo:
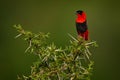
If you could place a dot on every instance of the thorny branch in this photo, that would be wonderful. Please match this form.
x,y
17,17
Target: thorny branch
x,y
70,63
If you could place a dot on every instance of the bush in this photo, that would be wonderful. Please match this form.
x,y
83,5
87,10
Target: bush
x,y
74,62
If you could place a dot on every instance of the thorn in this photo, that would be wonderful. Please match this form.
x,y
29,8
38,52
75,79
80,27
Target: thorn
x,y
87,50
73,37
18,36
87,56
28,47
90,43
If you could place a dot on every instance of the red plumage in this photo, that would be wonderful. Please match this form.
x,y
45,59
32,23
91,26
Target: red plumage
x,y
81,24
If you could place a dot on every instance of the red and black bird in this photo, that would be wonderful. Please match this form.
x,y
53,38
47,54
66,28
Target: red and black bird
x,y
81,24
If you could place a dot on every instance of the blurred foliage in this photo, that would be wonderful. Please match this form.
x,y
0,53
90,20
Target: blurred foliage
x,y
74,62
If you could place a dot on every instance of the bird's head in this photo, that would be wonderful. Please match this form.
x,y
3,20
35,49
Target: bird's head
x,y
81,16
79,12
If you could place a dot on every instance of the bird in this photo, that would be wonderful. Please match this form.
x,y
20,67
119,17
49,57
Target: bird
x,y
81,25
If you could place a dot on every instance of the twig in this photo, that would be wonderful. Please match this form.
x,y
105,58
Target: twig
x,y
58,76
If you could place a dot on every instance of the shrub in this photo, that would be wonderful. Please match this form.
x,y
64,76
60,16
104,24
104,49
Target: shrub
x,y
74,62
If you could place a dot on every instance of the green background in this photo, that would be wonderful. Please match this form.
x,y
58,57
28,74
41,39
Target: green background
x,y
58,18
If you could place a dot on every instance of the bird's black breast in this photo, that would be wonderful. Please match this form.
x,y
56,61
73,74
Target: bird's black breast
x,y
81,27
